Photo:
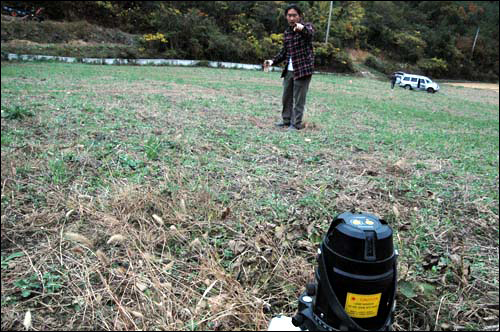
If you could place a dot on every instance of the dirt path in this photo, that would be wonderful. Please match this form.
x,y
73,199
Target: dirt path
x,y
488,86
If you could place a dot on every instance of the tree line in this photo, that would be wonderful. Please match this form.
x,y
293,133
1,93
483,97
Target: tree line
x,y
452,39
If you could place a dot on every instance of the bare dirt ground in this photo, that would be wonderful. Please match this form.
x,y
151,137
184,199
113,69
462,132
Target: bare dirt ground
x,y
488,86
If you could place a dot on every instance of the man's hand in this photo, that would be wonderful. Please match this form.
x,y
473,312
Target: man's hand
x,y
298,27
267,64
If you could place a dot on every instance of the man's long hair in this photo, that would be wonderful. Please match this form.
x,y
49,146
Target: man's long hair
x,y
293,6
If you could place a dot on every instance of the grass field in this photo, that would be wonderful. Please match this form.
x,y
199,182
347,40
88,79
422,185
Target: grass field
x,y
163,198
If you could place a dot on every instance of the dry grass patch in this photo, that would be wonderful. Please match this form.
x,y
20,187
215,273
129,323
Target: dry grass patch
x,y
148,199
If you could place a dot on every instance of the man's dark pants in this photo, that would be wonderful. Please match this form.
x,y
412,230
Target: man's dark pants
x,y
294,99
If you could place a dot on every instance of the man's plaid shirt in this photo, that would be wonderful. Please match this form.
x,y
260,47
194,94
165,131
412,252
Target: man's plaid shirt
x,y
298,45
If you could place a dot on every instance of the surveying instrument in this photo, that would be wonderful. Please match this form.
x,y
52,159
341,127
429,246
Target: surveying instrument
x,y
355,280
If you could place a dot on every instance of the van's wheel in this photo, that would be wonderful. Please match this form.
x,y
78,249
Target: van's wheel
x,y
408,87
430,90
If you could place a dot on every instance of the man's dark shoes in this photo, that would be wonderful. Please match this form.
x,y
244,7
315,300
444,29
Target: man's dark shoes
x,y
295,127
282,124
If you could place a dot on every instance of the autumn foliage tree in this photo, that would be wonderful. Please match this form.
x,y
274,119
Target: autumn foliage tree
x,y
435,37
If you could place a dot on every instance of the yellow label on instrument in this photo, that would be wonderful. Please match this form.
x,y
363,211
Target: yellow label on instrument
x,y
361,305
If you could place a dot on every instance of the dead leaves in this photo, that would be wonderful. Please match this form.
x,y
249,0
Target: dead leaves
x,y
454,263
300,234
225,213
237,246
141,285
430,261
286,234
461,267
196,244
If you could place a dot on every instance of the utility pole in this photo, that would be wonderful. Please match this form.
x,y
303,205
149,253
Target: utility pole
x,y
474,44
329,18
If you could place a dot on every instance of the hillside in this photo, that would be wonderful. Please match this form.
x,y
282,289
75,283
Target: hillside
x,y
76,39
442,39
83,39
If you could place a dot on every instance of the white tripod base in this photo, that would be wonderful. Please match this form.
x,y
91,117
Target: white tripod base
x,y
282,323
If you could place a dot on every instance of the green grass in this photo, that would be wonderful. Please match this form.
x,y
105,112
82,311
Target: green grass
x,y
99,150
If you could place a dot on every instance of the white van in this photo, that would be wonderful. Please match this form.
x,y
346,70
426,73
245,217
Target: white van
x,y
399,75
417,82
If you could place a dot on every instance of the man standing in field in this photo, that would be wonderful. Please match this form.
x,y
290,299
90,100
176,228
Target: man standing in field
x,y
298,53
393,80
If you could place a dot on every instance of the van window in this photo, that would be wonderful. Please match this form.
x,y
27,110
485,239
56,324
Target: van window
x,y
406,79
428,82
414,79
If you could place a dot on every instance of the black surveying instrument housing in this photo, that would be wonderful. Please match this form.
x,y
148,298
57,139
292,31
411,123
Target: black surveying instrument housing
x,y
356,279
